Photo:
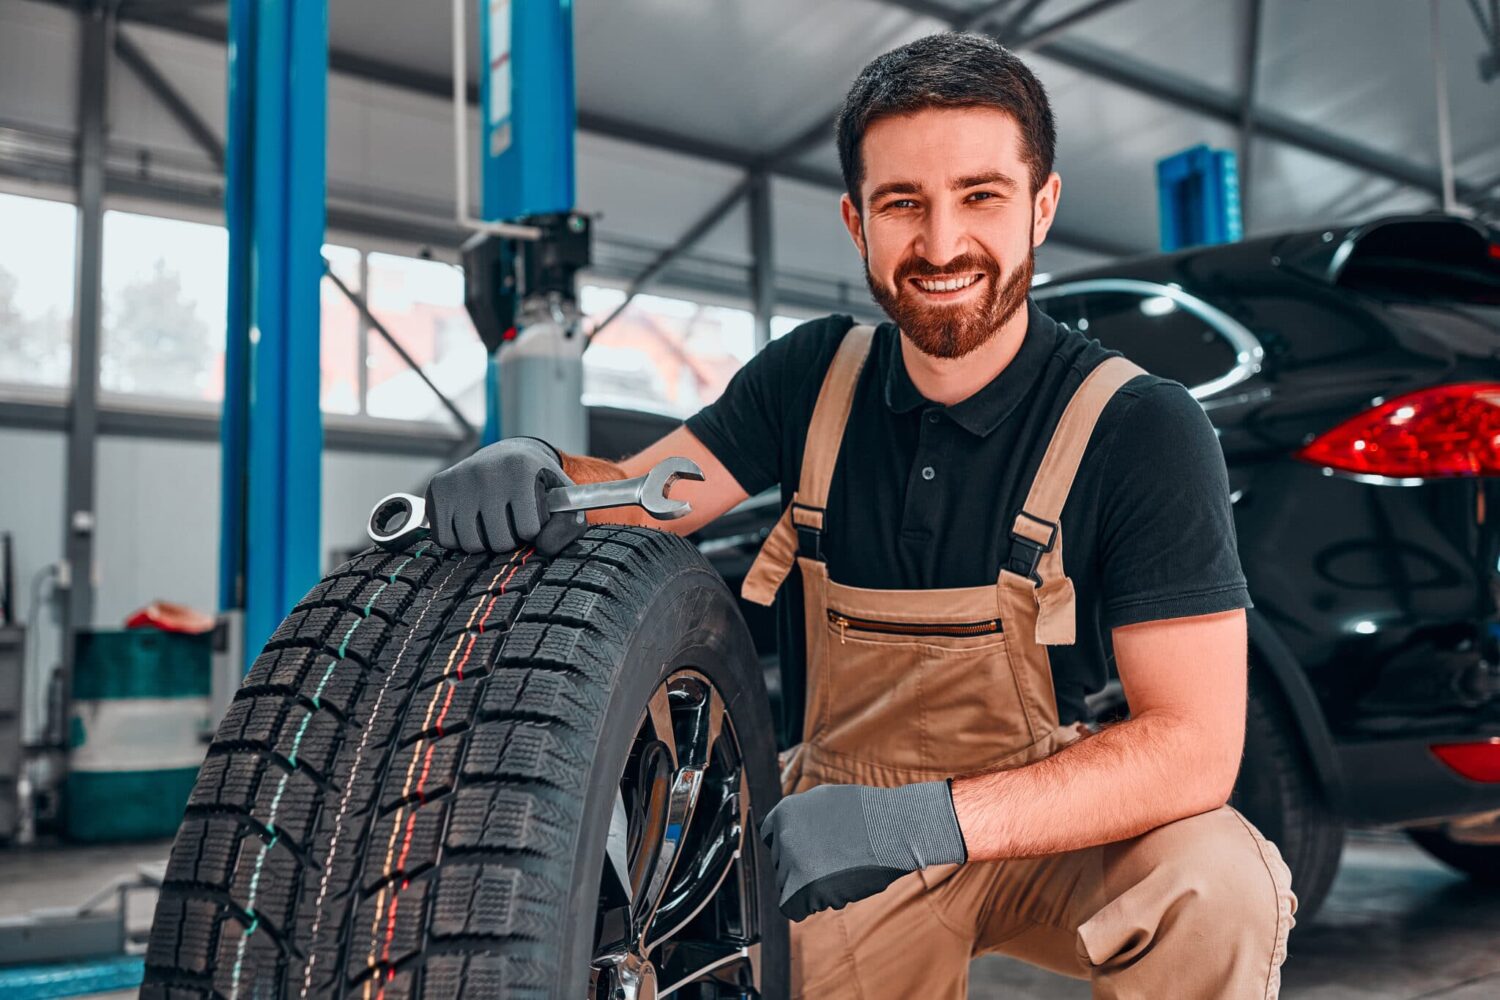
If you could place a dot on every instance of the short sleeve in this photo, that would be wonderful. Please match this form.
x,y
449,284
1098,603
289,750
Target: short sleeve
x,y
743,426
1167,546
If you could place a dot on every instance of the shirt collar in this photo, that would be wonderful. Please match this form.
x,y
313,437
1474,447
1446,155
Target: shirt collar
x,y
986,409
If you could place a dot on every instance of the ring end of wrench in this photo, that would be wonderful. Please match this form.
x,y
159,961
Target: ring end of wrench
x,y
398,519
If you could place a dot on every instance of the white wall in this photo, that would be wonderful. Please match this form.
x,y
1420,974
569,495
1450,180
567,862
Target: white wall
x,y
158,523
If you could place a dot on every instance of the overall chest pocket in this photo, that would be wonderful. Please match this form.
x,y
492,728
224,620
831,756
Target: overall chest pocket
x,y
922,698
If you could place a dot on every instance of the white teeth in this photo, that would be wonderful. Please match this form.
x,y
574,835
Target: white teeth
x,y
950,285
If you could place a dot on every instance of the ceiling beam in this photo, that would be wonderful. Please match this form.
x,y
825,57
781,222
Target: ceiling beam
x,y
1225,108
171,98
435,85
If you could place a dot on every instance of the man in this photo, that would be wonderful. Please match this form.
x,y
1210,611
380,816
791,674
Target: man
x,y
945,800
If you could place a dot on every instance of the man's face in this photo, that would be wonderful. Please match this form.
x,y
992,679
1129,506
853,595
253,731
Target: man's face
x,y
949,224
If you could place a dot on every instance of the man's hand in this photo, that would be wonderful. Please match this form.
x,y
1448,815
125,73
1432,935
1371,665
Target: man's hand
x,y
836,844
496,500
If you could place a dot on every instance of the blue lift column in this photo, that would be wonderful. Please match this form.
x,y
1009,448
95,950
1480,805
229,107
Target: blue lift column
x,y
1199,196
527,174
271,432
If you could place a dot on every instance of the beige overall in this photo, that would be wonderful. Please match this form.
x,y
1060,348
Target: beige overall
x,y
912,685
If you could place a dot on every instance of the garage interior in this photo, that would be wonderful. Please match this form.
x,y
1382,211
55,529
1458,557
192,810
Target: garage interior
x,y
704,183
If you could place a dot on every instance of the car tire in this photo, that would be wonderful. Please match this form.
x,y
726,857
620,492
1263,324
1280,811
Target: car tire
x,y
1481,862
491,776
1278,792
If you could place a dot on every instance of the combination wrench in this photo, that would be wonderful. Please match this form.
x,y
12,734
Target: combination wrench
x,y
402,517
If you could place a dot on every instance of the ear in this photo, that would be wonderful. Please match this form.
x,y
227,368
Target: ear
x,y
1044,208
853,222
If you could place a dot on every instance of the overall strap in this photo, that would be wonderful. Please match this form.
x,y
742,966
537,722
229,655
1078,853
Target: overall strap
x,y
1036,536
800,528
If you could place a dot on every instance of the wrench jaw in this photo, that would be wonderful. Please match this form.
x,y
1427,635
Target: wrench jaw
x,y
398,519
660,479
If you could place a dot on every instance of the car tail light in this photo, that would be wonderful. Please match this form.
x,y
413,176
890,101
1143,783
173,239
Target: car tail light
x,y
1449,430
1475,761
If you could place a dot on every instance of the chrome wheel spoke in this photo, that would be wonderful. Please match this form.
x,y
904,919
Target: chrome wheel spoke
x,y
659,714
686,786
703,874
649,838
616,849
698,961
703,714
674,861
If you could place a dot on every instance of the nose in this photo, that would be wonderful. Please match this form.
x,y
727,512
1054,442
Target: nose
x,y
942,239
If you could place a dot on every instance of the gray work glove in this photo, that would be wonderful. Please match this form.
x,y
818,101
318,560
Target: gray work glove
x,y
836,844
496,500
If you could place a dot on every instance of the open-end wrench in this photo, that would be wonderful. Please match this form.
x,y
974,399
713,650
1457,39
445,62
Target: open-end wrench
x,y
402,517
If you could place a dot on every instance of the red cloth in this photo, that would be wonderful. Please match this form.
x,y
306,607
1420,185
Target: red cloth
x,y
171,617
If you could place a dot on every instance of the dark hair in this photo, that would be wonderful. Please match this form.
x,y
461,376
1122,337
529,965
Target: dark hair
x,y
948,70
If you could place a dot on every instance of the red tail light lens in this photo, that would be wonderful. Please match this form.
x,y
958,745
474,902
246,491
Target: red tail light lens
x,y
1475,761
1450,430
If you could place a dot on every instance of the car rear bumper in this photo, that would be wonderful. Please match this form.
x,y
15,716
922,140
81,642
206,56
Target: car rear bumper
x,y
1404,782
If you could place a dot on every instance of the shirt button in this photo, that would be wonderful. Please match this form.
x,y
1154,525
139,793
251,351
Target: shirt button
x,y
933,417
928,472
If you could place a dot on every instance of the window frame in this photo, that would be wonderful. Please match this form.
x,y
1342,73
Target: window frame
x,y
1248,352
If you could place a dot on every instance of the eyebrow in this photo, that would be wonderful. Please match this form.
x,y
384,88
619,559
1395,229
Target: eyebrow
x,y
963,183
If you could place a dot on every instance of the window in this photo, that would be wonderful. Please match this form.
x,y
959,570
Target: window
x,y
662,353
164,296
421,302
36,290
340,322
1156,332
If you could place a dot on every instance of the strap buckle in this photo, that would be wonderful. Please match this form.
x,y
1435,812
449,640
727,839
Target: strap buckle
x,y
1026,553
809,538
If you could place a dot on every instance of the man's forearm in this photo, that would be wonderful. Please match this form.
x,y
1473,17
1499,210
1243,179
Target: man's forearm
x,y
1119,783
586,469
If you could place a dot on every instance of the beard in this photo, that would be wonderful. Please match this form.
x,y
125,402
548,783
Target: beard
x,y
952,331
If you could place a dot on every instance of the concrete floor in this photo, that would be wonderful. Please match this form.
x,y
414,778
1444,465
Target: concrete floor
x,y
1397,926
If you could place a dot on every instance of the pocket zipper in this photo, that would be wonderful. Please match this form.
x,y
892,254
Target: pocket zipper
x,y
845,622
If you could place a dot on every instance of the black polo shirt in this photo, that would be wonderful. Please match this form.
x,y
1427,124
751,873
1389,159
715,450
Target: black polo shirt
x,y
923,495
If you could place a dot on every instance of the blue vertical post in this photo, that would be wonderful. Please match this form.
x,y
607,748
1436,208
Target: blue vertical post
x,y
272,430
529,110
1199,198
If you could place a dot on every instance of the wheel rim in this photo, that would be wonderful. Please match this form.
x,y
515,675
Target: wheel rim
x,y
677,910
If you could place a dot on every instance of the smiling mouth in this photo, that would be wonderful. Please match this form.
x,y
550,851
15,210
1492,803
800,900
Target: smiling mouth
x,y
946,286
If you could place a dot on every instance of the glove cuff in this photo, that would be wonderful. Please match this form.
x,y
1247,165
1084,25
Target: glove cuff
x,y
556,455
914,826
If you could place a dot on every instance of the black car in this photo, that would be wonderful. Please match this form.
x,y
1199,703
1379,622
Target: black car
x,y
1353,375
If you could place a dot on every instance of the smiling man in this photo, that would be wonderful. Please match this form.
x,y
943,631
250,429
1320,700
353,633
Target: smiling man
x,y
947,798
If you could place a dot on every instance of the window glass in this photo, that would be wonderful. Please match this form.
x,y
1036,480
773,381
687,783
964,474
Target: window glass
x,y
662,353
339,318
1153,331
421,302
36,290
164,292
